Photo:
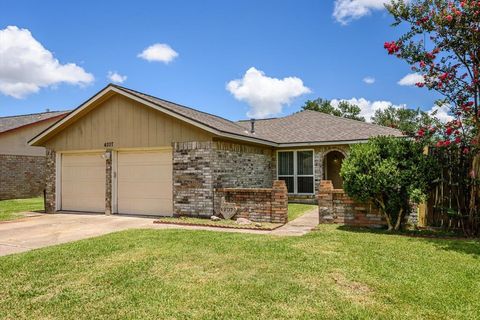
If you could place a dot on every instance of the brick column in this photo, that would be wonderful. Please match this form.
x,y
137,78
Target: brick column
x,y
193,179
50,181
279,202
325,201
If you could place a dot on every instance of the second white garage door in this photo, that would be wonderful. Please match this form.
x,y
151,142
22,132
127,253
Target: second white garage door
x,y
145,182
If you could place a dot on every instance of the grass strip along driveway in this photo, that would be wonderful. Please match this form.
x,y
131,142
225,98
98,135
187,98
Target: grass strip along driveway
x,y
180,274
11,209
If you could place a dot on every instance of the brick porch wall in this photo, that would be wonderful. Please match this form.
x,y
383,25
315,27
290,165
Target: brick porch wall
x,y
336,207
257,204
21,176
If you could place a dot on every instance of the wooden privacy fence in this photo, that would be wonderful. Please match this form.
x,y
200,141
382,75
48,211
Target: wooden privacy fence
x,y
448,203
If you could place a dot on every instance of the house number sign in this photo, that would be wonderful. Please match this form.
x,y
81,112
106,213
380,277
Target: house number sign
x,y
108,144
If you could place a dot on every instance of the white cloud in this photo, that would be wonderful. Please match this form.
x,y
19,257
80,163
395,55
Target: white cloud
x,y
116,77
158,52
442,112
411,79
348,10
369,80
266,96
367,107
26,66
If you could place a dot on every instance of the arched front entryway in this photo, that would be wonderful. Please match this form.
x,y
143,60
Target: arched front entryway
x,y
332,164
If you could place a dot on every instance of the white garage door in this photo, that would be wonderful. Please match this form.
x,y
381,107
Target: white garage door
x,y
145,182
83,182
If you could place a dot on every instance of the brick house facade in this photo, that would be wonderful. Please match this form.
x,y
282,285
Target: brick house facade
x,y
150,156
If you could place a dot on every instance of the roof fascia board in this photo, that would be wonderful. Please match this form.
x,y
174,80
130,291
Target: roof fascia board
x,y
224,134
320,143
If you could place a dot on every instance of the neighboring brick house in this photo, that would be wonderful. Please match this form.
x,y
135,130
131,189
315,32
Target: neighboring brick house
x,y
22,167
123,151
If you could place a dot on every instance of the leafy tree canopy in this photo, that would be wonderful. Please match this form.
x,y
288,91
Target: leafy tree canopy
x,y
344,109
409,121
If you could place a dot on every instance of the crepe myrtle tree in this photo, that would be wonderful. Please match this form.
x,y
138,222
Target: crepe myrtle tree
x,y
393,173
442,43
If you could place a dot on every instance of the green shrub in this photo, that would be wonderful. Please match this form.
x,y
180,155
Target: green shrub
x,y
391,172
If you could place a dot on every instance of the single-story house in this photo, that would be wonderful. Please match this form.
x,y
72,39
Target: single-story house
x,y
123,151
22,167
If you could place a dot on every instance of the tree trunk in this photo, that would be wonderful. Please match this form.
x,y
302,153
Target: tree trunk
x,y
399,219
389,221
381,204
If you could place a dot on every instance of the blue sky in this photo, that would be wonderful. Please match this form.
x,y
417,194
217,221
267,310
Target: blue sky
x,y
330,47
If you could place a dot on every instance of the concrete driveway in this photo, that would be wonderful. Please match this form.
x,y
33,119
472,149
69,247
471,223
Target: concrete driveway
x,y
51,229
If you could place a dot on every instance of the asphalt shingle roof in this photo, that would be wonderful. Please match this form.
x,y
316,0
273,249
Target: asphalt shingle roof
x,y
301,127
13,122
312,126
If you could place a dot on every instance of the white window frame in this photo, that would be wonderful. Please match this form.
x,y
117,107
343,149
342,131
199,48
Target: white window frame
x,y
295,170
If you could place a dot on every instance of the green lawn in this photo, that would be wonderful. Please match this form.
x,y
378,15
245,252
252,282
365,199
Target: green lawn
x,y
10,209
295,210
180,274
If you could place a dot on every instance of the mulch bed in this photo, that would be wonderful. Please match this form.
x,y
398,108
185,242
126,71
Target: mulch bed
x,y
246,227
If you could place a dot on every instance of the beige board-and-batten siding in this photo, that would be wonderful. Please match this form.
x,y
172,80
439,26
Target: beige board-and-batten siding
x,y
126,123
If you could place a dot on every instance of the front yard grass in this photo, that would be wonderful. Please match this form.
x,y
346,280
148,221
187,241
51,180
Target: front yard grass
x,y
180,274
11,209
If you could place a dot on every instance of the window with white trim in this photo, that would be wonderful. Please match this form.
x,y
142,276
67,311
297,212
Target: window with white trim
x,y
296,169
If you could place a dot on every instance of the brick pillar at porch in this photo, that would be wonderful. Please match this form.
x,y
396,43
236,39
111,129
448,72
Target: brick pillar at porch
x,y
279,202
325,201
